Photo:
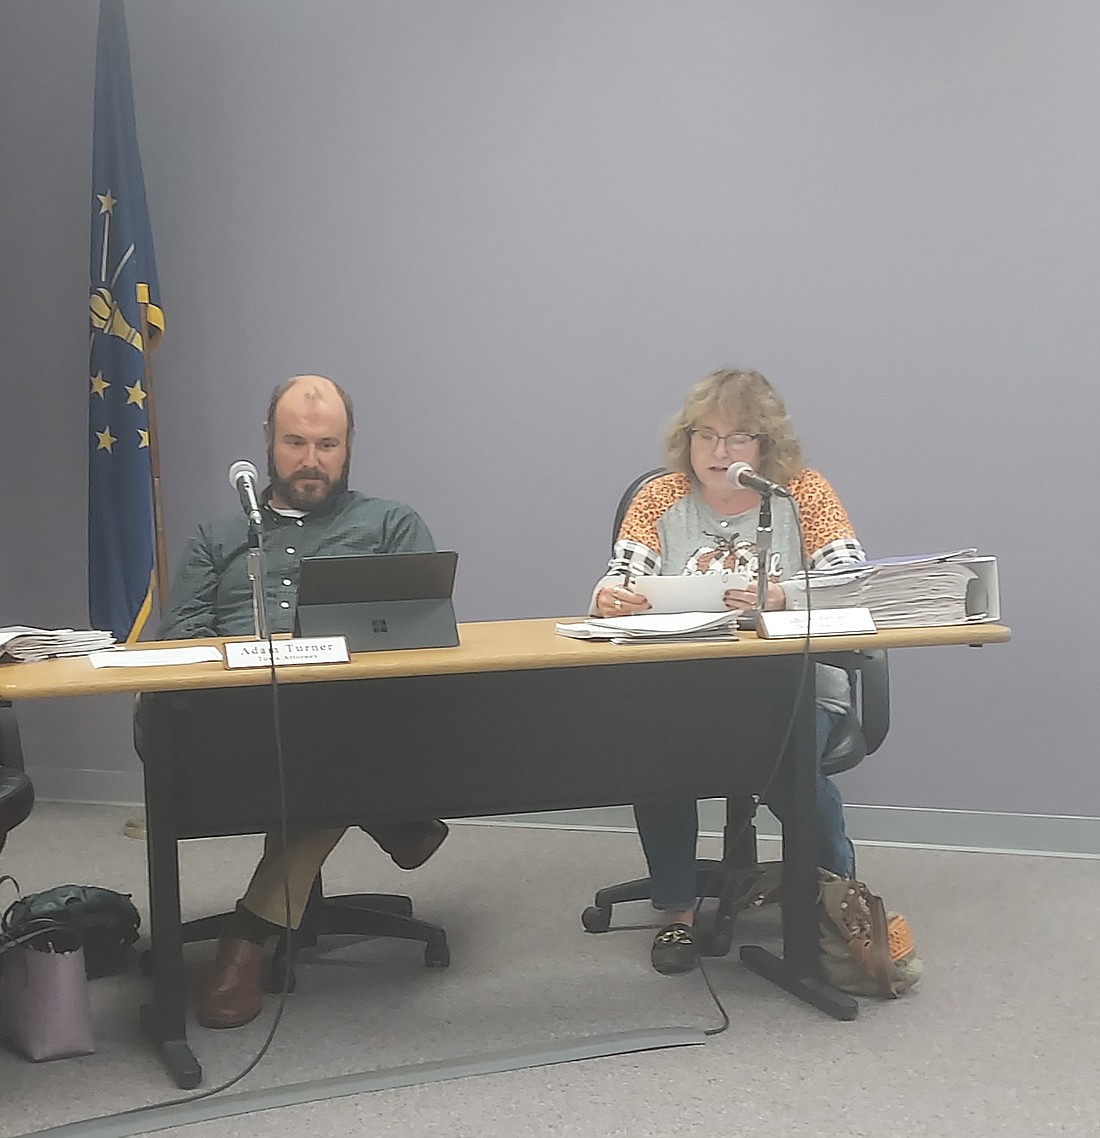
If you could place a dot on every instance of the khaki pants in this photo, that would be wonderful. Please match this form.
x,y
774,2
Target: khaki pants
x,y
305,854
306,851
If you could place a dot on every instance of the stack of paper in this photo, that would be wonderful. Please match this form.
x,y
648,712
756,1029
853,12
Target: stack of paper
x,y
153,657
654,626
901,592
18,642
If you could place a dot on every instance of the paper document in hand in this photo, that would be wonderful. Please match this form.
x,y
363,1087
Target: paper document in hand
x,y
689,592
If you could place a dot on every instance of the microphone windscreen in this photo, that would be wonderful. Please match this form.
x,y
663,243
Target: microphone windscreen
x,y
733,474
240,467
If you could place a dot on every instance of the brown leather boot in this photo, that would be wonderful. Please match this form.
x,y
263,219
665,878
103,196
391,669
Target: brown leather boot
x,y
231,995
410,844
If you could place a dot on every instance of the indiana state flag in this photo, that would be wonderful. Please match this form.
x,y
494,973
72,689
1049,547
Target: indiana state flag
x,y
120,495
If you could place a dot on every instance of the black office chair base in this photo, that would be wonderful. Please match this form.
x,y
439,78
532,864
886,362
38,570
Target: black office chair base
x,y
176,1055
809,989
361,914
713,878
725,880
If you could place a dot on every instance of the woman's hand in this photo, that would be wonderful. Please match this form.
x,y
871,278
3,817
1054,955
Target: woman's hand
x,y
746,598
619,600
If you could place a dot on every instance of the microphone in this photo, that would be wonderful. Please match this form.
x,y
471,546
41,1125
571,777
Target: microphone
x,y
741,475
242,477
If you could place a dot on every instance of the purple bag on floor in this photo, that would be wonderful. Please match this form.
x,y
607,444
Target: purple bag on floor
x,y
44,1007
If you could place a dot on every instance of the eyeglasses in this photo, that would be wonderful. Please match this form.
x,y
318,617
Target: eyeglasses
x,y
737,440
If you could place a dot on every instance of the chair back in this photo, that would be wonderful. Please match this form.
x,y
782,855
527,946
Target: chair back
x,y
628,497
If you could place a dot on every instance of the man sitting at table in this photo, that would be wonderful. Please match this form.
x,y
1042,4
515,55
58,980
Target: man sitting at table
x,y
307,510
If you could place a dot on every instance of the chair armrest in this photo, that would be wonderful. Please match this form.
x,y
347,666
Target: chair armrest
x,y
869,676
139,738
874,700
11,749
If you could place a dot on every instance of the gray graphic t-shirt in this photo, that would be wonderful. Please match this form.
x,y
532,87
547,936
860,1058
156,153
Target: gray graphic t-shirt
x,y
669,529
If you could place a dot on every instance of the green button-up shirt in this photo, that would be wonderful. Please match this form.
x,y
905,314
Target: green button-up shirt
x,y
211,594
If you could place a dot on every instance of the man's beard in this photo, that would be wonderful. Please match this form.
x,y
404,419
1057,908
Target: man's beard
x,y
289,489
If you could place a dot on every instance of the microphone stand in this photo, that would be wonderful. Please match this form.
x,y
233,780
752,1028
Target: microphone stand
x,y
256,572
748,620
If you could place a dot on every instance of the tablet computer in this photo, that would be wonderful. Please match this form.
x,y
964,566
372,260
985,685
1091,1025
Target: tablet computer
x,y
689,592
379,600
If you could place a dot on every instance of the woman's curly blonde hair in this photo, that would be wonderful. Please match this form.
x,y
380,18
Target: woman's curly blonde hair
x,y
749,400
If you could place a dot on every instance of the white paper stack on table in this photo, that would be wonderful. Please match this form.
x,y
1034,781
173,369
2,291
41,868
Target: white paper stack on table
x,y
909,592
654,627
18,642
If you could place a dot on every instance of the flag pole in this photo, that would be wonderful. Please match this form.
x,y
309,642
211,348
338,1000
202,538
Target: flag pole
x,y
136,826
160,557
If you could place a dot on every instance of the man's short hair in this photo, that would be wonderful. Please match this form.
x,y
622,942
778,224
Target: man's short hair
x,y
287,384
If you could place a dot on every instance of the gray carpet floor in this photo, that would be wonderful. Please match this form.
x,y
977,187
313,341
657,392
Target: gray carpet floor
x,y
1001,1036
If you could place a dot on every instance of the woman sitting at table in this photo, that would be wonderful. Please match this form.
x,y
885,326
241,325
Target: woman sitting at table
x,y
693,520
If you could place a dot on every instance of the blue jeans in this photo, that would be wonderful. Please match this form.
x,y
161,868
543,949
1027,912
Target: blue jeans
x,y
670,829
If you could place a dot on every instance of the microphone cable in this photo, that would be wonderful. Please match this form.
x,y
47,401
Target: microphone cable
x,y
288,959
730,843
718,870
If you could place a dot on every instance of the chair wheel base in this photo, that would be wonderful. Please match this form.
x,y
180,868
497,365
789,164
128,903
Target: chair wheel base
x,y
437,955
715,942
596,918
276,978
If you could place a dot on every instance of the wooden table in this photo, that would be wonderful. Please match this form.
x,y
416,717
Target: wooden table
x,y
515,719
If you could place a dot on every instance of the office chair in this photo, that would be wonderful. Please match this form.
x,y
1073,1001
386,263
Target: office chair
x,y
16,790
738,878
355,914
352,914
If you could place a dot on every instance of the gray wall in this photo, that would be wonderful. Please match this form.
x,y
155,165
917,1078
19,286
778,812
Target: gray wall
x,y
517,231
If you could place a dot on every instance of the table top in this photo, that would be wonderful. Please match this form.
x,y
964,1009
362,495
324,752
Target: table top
x,y
485,646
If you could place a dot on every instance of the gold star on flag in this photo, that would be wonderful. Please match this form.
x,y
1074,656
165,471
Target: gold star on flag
x,y
136,395
106,202
143,439
99,384
106,440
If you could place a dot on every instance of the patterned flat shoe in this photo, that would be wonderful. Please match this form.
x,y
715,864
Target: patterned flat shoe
x,y
674,950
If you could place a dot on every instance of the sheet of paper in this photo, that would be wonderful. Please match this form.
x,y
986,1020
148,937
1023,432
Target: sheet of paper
x,y
582,630
691,592
24,643
907,561
687,638
664,624
153,657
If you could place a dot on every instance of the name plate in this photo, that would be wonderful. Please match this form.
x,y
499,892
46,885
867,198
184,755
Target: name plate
x,y
823,622
311,650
